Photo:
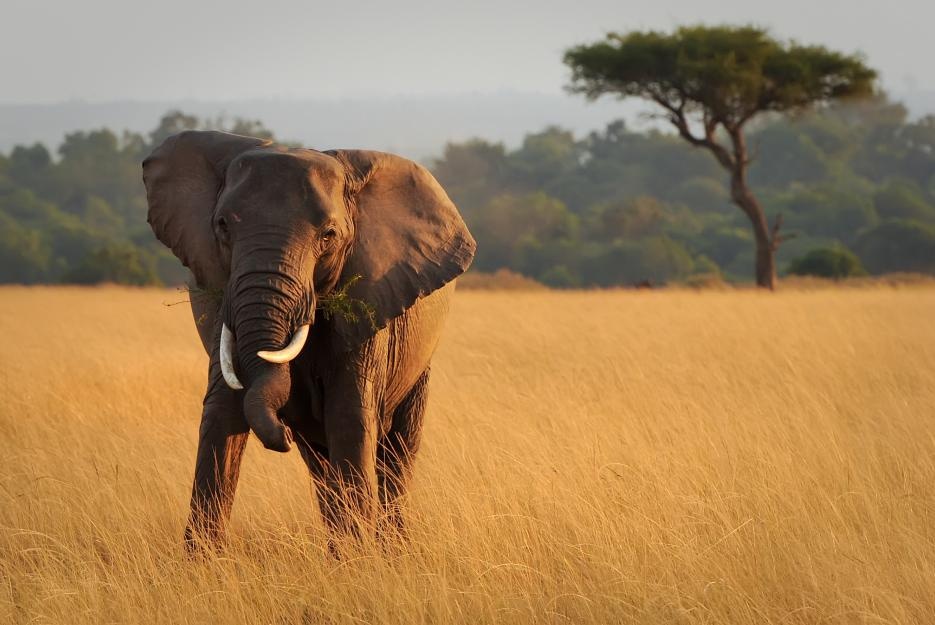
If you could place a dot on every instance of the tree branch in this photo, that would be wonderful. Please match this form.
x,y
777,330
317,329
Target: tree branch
x,y
775,237
709,141
740,144
678,119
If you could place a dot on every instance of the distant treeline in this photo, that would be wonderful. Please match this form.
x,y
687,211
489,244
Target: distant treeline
x,y
81,218
856,184
621,207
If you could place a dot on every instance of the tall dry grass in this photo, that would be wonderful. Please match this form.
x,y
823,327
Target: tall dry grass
x,y
641,457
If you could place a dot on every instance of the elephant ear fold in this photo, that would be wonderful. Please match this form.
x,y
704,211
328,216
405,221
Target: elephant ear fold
x,y
183,178
410,239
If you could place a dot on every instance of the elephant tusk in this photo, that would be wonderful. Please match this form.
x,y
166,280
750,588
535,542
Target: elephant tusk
x,y
291,350
227,358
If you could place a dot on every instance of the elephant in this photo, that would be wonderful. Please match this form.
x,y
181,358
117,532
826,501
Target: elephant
x,y
271,234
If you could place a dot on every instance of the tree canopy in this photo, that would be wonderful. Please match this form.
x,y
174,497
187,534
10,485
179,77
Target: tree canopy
x,y
727,74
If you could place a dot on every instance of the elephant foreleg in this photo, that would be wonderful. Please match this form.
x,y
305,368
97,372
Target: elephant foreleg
x,y
347,492
221,442
396,454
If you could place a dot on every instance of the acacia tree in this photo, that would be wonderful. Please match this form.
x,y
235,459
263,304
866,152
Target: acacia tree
x,y
711,81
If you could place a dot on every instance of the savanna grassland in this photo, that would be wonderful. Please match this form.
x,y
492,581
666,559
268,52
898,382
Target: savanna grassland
x,y
602,457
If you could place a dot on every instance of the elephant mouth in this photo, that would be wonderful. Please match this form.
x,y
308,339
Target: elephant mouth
x,y
302,318
281,356
268,391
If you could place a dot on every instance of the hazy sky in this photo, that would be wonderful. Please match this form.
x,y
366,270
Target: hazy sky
x,y
171,49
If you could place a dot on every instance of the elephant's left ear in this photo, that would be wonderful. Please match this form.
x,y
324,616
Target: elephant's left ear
x,y
410,239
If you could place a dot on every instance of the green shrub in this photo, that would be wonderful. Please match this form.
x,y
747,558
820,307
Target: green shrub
x,y
559,276
827,262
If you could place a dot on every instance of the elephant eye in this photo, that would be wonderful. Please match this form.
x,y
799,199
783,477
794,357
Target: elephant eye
x,y
223,228
328,236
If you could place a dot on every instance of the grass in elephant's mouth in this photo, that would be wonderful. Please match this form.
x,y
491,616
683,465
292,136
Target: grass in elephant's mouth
x,y
339,303
589,458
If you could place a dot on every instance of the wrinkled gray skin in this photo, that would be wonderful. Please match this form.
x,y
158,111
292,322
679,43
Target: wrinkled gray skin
x,y
266,232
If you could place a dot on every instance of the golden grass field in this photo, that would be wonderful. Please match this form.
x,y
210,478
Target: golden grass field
x,y
598,457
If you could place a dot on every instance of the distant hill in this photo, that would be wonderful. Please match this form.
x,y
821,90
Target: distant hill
x,y
416,126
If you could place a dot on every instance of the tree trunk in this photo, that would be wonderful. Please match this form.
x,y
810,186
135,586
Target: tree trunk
x,y
765,264
736,162
766,242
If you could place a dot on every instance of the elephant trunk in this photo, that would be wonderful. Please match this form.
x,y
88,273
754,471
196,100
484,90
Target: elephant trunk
x,y
268,313
265,396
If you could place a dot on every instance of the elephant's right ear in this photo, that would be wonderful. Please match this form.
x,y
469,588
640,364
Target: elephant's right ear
x,y
183,178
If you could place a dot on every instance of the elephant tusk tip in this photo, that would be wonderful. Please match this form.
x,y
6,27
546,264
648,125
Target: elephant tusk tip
x,y
268,356
274,357
290,351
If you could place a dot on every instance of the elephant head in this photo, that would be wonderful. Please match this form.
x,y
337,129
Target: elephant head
x,y
275,228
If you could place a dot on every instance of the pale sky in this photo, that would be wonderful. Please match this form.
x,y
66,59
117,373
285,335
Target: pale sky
x,y
99,50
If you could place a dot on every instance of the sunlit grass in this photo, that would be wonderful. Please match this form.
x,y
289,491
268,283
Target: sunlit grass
x,y
644,457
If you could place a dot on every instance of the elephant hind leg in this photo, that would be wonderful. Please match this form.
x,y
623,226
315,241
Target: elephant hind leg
x,y
396,454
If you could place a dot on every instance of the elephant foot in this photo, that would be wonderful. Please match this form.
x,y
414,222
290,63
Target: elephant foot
x,y
199,544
